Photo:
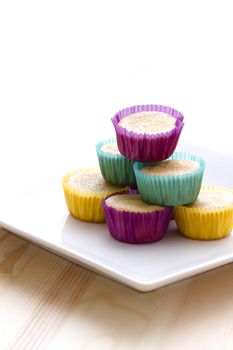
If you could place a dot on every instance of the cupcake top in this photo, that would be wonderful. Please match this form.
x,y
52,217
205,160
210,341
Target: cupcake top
x,y
213,199
148,122
110,148
172,167
131,203
90,180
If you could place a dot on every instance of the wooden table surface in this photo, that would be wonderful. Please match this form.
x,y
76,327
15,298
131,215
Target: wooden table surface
x,y
47,302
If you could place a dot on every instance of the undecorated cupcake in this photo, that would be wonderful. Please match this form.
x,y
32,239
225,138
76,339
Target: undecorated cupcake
x,y
148,133
209,217
84,190
171,182
131,220
114,167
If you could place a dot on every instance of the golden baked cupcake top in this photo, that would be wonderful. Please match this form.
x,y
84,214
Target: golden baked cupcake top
x,y
148,122
110,148
172,167
90,180
213,199
131,203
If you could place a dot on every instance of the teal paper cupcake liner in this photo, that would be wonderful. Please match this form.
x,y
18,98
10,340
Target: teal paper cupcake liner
x,y
115,168
170,190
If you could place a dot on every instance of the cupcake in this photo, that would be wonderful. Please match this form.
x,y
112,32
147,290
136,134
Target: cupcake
x,y
84,190
209,217
114,167
171,182
148,133
131,220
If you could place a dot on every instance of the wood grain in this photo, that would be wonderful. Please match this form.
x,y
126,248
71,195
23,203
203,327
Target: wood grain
x,y
47,302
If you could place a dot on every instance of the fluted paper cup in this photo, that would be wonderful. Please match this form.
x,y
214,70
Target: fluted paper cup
x,y
170,189
202,223
147,147
137,227
115,168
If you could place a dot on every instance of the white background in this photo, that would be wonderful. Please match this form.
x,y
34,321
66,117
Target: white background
x,y
66,67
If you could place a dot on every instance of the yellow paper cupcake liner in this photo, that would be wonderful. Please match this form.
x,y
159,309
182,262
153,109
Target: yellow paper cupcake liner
x,y
84,205
205,224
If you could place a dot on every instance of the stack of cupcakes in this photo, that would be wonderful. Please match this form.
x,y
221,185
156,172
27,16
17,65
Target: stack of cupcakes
x,y
143,180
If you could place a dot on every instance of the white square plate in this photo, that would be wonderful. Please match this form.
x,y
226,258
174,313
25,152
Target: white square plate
x,y
40,216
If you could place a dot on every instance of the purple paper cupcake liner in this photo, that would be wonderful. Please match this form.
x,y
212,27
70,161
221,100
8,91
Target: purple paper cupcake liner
x,y
136,227
144,147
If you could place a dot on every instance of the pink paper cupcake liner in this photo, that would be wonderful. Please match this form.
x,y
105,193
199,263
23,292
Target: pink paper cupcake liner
x,y
144,147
